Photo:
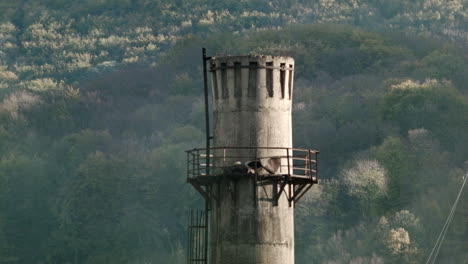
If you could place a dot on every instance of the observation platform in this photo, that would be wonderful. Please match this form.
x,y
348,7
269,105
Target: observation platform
x,y
292,168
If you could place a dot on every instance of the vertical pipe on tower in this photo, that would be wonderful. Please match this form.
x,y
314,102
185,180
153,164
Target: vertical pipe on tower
x,y
208,138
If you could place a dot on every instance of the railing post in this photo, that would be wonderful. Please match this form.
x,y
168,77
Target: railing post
x,y
289,168
256,157
188,165
208,160
316,165
224,157
193,163
199,164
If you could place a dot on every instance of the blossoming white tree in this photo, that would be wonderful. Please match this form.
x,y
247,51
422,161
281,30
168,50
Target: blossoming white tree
x,y
365,180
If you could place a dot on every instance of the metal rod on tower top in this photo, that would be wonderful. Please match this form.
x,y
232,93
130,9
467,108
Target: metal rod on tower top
x,y
208,137
207,114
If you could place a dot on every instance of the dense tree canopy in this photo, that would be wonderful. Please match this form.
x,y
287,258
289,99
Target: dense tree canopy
x,y
99,100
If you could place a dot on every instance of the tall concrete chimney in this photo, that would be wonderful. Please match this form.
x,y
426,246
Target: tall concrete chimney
x,y
253,176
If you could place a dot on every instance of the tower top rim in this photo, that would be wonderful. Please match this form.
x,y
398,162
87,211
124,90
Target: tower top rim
x,y
251,56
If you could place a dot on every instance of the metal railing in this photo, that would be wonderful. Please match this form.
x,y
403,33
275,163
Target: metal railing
x,y
264,161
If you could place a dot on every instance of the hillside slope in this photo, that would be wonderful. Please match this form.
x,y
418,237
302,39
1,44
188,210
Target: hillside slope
x,y
94,122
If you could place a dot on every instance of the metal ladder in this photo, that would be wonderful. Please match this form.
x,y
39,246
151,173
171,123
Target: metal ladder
x,y
197,237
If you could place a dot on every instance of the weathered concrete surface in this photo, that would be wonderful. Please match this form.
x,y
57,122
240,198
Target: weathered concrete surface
x,y
252,108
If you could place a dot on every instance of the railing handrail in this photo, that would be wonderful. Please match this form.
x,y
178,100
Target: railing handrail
x,y
285,148
299,162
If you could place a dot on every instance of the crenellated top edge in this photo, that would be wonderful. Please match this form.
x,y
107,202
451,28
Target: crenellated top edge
x,y
250,57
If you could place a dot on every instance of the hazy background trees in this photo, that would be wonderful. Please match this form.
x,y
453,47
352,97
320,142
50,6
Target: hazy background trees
x,y
99,100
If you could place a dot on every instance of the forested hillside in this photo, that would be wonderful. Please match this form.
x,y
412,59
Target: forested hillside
x,y
99,100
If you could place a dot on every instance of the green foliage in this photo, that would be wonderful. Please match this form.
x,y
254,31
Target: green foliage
x,y
393,156
432,105
92,207
99,100
74,148
25,212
